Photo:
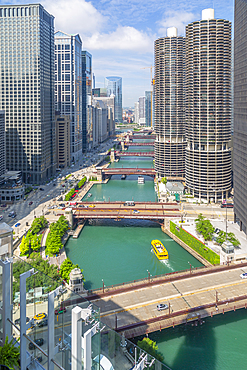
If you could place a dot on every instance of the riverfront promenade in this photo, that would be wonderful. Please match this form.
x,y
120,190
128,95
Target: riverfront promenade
x,y
190,295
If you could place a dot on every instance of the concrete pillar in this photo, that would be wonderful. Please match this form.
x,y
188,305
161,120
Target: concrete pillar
x,y
241,226
99,174
122,145
69,216
112,157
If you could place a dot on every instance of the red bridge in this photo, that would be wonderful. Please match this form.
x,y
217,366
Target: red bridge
x,y
134,154
138,144
129,171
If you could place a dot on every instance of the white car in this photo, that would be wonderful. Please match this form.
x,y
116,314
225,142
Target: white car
x,y
244,275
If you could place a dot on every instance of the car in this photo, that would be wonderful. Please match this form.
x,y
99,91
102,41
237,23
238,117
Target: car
x,y
11,214
40,316
41,189
162,306
42,323
4,205
92,206
61,204
18,321
18,224
244,275
1,217
38,341
63,186
136,211
60,310
30,203
14,215
54,184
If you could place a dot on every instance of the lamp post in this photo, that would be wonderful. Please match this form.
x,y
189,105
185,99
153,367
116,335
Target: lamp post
x,y
190,266
103,286
148,276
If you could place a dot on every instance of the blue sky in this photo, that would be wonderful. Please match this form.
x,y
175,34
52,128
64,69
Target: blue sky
x,y
120,34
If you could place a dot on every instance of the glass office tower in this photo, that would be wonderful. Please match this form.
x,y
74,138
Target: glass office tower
x,y
113,85
87,126
208,107
169,105
148,110
240,114
27,90
68,86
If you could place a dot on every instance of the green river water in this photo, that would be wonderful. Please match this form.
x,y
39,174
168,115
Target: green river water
x,y
120,251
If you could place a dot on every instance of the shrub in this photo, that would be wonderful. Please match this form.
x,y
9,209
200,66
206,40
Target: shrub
x,y
81,182
195,244
68,196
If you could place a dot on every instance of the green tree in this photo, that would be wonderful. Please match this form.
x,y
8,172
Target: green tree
x,y
150,347
65,269
164,180
221,238
10,354
38,224
204,227
24,247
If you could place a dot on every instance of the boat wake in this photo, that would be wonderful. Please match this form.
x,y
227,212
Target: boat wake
x,y
168,264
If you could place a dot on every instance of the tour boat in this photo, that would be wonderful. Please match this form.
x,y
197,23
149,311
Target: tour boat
x,y
89,195
123,177
141,180
159,250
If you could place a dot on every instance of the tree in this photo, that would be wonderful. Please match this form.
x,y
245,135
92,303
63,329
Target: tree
x,y
221,238
150,347
164,180
65,269
204,227
10,354
24,247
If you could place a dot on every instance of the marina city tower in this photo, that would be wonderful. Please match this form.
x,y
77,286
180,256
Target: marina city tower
x,y
208,107
169,105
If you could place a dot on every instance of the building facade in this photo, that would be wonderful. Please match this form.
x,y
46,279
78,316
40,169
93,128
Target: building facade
x,y
110,103
113,85
27,90
240,114
142,111
68,86
87,132
169,105
148,106
208,107
2,143
62,140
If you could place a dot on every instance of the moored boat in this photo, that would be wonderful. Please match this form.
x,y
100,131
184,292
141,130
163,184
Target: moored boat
x,y
159,250
89,195
141,180
123,177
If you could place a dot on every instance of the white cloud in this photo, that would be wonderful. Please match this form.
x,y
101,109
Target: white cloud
x,y
124,38
75,16
178,19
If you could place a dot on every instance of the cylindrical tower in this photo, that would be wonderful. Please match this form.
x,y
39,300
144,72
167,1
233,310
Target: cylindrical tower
x,y
208,107
169,105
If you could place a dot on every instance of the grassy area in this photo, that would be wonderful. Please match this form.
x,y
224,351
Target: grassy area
x,y
195,244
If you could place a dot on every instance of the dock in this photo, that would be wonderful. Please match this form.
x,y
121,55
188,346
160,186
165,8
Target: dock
x,y
78,230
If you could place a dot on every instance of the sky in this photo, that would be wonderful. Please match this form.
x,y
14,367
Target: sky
x,y
120,34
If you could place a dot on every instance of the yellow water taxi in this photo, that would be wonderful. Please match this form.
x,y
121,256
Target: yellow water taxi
x,y
159,250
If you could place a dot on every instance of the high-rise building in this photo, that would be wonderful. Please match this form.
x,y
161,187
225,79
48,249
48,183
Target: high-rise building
x,y
208,107
148,110
62,140
240,114
68,86
113,85
87,131
110,103
169,105
2,143
27,90
142,118
136,112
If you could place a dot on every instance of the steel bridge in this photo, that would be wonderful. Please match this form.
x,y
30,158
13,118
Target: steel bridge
x,y
129,171
134,154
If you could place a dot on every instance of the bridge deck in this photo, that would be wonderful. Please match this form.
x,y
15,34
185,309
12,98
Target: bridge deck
x,y
195,296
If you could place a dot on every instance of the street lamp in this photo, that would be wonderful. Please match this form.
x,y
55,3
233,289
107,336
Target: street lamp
x,y
148,276
103,286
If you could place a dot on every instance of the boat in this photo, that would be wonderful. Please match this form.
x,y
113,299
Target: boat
x,y
159,250
89,195
123,177
141,180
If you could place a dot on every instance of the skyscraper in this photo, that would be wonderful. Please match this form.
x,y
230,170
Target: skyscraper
x,y
208,107
68,86
148,110
240,114
2,143
142,118
169,105
27,90
113,85
87,131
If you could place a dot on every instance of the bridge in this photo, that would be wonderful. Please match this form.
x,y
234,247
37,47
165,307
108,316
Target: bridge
x,y
126,143
190,295
118,210
129,171
134,154
143,137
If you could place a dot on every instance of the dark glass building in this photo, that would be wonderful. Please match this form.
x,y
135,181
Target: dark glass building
x,y
240,114
87,128
27,90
